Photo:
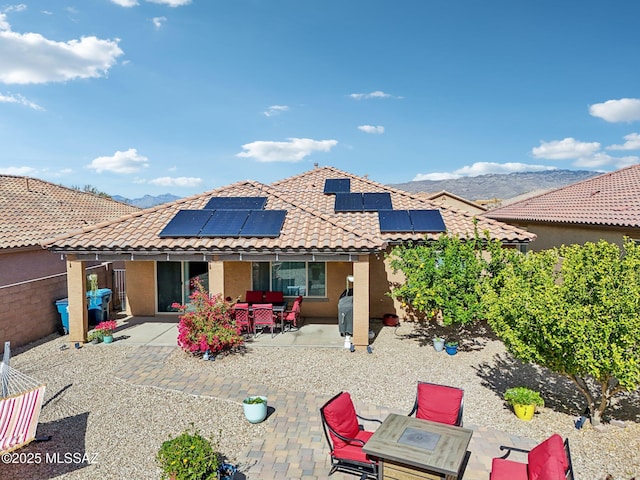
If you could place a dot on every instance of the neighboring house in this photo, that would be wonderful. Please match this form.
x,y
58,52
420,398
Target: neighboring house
x,y
314,241
452,200
32,278
604,207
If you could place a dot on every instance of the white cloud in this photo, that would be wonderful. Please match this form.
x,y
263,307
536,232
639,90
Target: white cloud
x,y
632,143
565,149
623,110
185,182
275,110
371,129
121,162
20,100
376,94
21,171
294,150
171,3
483,168
602,159
32,58
125,3
158,21
21,7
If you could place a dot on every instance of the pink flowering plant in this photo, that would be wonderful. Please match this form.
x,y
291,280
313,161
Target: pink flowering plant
x,y
206,323
106,328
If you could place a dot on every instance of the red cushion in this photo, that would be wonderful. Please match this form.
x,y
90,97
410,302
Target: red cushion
x,y
438,403
502,469
538,457
354,451
552,469
340,415
253,296
273,297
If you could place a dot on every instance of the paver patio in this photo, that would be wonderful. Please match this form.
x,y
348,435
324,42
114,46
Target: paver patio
x,y
294,446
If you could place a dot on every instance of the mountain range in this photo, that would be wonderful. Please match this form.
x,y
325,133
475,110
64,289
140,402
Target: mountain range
x,y
483,187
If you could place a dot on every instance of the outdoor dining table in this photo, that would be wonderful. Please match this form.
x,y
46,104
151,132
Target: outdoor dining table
x,y
412,448
278,308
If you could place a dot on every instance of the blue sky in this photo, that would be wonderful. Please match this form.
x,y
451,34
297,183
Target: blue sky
x,y
142,97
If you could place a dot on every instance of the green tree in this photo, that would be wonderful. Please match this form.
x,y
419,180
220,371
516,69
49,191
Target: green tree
x,y
91,189
446,275
576,311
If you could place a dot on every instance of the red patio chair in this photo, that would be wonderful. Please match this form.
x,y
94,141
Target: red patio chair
x,y
241,316
549,460
274,297
439,403
346,437
292,316
263,316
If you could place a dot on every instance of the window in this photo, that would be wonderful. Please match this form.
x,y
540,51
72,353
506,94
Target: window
x,y
291,278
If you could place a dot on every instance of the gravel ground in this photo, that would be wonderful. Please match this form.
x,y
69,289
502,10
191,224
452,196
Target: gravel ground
x,y
88,411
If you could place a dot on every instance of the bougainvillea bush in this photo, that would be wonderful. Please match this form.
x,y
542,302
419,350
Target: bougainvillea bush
x,y
206,323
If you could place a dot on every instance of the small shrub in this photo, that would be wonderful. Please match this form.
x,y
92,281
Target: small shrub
x,y
523,396
253,400
206,323
189,456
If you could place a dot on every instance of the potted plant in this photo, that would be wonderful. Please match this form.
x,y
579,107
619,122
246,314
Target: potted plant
x,y
255,408
524,401
95,337
188,456
438,343
106,329
451,347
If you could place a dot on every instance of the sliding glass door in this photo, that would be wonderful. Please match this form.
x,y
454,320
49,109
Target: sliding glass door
x,y
174,282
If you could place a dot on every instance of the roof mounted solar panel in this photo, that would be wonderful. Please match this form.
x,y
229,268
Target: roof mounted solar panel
x,y
427,221
372,202
394,221
263,223
225,223
348,202
337,185
236,203
186,223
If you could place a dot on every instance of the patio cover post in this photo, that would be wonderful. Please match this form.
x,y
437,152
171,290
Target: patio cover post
x,y
216,277
361,302
77,298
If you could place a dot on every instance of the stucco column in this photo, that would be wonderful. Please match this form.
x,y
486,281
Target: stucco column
x,y
77,295
361,302
216,277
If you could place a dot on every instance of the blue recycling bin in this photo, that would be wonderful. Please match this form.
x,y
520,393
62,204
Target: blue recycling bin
x,y
63,309
99,305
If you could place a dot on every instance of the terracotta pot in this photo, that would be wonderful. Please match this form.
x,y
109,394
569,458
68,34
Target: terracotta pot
x,y
390,320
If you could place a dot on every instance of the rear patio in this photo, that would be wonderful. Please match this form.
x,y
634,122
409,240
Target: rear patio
x,y
122,400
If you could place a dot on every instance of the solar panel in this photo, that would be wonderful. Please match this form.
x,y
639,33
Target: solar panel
x,y
186,223
373,202
427,221
394,221
337,185
225,223
236,203
348,202
263,223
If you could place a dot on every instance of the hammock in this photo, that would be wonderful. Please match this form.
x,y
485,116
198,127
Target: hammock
x,y
20,403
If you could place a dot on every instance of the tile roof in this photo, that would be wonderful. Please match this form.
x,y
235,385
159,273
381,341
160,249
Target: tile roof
x,y
611,199
310,223
33,210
